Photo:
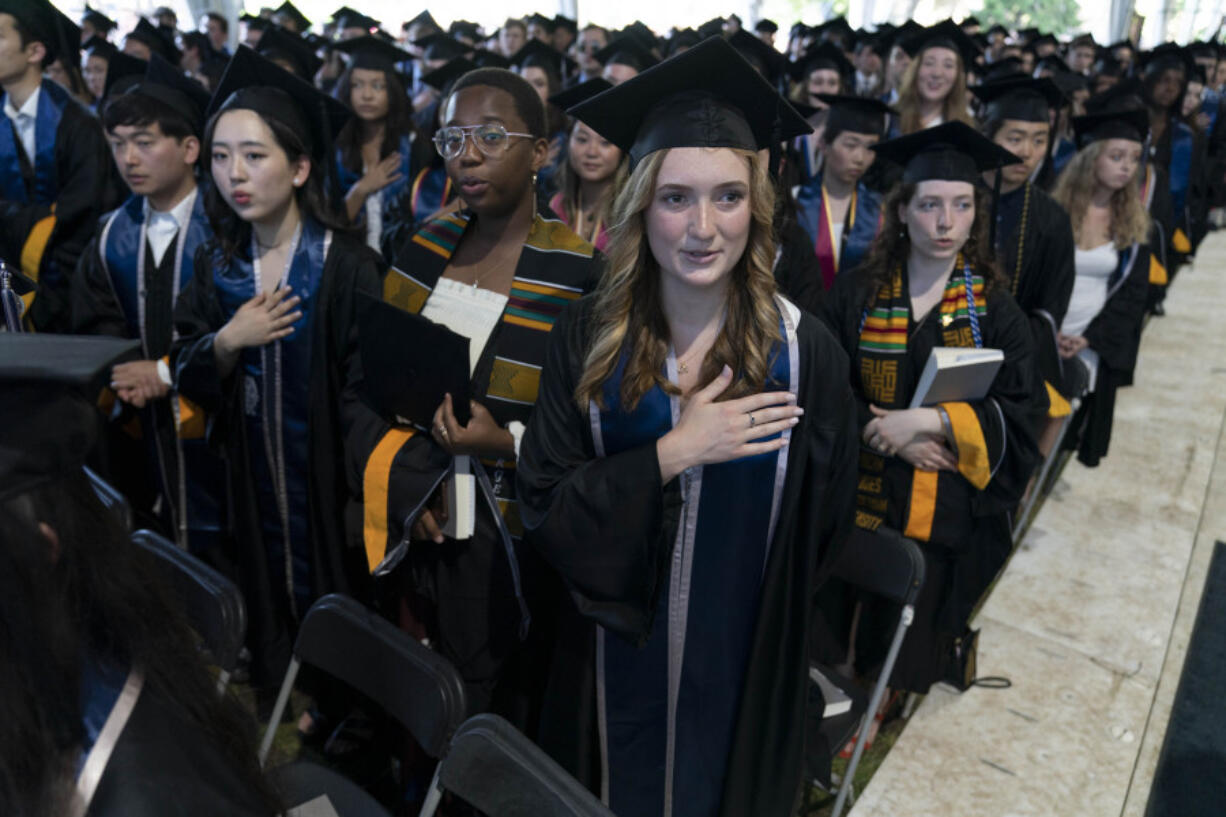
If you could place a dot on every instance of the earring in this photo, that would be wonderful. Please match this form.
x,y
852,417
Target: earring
x,y
297,182
534,180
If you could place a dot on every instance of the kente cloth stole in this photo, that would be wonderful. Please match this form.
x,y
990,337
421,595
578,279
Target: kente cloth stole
x,y
827,251
886,372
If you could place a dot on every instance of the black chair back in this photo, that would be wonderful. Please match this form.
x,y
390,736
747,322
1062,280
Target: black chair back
x,y
112,500
415,685
883,562
212,603
496,769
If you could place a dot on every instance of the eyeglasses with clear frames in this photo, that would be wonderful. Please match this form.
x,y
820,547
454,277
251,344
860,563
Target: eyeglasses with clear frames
x,y
490,139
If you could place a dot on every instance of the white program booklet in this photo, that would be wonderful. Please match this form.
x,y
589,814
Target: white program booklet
x,y
461,500
955,373
837,701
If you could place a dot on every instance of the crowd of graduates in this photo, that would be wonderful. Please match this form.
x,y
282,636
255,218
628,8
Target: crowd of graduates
x,y
699,275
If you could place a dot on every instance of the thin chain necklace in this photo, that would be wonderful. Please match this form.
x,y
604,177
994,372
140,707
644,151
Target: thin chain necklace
x,y
683,366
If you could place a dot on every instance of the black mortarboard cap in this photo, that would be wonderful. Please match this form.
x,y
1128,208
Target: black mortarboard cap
x,y
373,53
1004,68
1122,44
96,46
769,26
356,19
972,20
1132,125
1042,39
464,28
282,44
823,55
1054,63
69,50
424,17
946,35
541,20
711,27
41,21
1168,55
837,28
254,82
580,93
255,22
439,78
440,46
858,114
708,96
1125,95
538,54
157,41
122,72
170,86
626,51
483,58
997,29
101,23
290,12
953,151
1068,83
767,60
1020,98
564,22
59,377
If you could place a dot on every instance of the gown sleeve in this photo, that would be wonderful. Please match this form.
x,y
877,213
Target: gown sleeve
x,y
198,316
994,437
94,310
1116,331
606,524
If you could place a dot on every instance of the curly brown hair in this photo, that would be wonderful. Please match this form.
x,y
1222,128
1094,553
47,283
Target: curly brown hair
x,y
893,244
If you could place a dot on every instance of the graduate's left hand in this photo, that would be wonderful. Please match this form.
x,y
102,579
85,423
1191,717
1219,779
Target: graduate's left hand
x,y
890,431
481,437
138,382
1071,345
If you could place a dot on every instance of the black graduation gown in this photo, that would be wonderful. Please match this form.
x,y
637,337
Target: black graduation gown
x,y
797,272
1038,258
608,525
161,765
1115,334
45,238
970,537
334,406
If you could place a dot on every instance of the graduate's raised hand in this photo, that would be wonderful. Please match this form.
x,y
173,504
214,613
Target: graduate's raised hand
x,y
265,318
382,174
482,437
710,432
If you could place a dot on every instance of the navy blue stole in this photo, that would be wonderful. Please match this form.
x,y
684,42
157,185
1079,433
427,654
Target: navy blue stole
x,y
860,227
51,101
276,386
349,178
122,252
1180,170
667,711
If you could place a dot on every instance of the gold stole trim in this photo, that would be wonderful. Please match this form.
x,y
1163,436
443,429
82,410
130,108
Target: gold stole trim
x,y
375,481
972,448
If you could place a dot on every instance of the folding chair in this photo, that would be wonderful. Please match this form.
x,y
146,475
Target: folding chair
x,y
494,768
1041,488
212,603
112,500
885,564
416,686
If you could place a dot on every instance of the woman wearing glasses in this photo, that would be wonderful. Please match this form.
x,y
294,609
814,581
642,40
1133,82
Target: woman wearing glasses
x,y
499,273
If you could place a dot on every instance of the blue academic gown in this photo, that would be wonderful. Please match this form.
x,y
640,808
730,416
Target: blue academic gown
x,y
860,227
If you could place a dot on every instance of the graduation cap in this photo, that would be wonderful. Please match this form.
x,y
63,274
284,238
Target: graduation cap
x,y
101,23
768,26
463,28
838,28
942,35
484,58
761,56
440,78
440,46
708,97
1027,34
1020,98
1042,39
256,23
641,32
681,40
711,27
857,114
536,18
157,42
373,53
879,44
281,44
70,43
825,55
953,151
356,19
1126,95
1132,125
1122,44
626,51
289,11
170,86
580,93
60,376
423,18
537,54
1068,83
122,72
1003,69
41,21
253,82
997,29
970,21
1053,63
97,46
1168,56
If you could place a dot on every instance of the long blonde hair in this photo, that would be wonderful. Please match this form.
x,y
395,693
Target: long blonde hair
x,y
628,316
1130,222
954,106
